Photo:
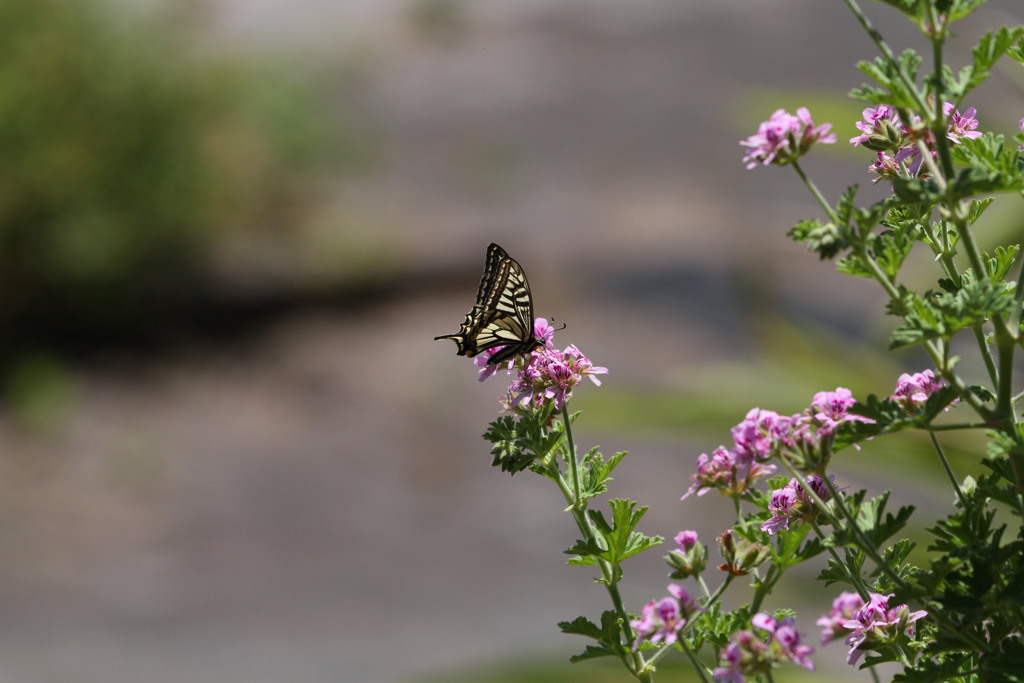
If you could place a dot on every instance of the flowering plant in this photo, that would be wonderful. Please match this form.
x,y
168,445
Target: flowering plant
x,y
952,612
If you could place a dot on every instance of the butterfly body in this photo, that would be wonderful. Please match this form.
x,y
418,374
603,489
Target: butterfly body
x,y
503,312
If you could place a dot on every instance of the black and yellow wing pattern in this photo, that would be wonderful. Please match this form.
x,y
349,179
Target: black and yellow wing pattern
x,y
502,314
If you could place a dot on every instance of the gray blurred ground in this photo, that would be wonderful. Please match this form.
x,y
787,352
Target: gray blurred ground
x,y
314,504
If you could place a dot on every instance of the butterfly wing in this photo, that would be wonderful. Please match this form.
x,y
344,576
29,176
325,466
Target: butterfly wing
x,y
502,314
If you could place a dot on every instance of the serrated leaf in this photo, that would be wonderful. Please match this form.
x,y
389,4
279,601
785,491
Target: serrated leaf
x,y
989,165
896,553
518,443
892,90
595,472
879,525
581,626
608,635
593,652
839,573
990,48
999,264
618,536
826,240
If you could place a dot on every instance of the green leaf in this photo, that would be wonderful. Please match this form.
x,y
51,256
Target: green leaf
x,y
837,572
595,473
887,75
519,442
895,554
608,636
581,626
879,525
826,240
593,652
990,165
999,265
616,540
986,53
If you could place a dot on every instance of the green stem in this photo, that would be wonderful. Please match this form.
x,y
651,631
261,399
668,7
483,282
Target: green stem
x,y
698,665
876,37
816,192
577,501
703,586
863,542
938,117
577,506
1018,298
946,466
704,608
764,588
957,426
986,353
855,580
1004,337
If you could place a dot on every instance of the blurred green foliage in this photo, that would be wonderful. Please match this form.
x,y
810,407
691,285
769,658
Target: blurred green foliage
x,y
128,156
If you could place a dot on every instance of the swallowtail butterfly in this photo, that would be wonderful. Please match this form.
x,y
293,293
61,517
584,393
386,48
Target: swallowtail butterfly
x,y
503,312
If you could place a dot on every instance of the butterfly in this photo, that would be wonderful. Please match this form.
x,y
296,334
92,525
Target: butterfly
x,y
503,312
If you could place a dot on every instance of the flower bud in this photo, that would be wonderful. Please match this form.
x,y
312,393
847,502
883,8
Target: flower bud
x,y
886,136
740,554
685,565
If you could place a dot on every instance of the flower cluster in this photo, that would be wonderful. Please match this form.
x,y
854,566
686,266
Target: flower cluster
x,y
912,391
547,374
793,503
875,624
729,471
805,438
895,143
768,643
542,330
661,620
784,138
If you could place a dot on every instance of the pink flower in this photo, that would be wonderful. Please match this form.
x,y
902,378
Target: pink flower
x,y
768,643
895,143
761,433
660,620
546,374
831,409
889,165
686,539
843,607
782,505
732,672
542,330
880,130
551,375
912,391
793,503
814,430
731,472
876,625
960,126
784,137
805,439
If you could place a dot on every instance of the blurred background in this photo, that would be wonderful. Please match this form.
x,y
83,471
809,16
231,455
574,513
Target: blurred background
x,y
230,450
